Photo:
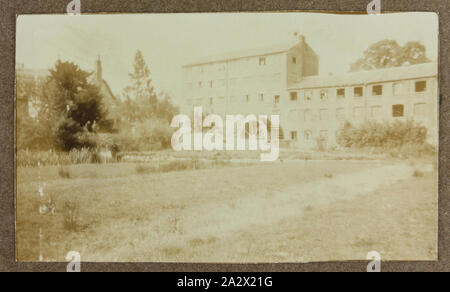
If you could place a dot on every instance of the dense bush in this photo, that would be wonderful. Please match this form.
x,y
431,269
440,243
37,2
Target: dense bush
x,y
148,135
382,134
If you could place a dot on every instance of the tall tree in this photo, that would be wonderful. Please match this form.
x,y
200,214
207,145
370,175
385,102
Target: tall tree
x,y
388,53
141,90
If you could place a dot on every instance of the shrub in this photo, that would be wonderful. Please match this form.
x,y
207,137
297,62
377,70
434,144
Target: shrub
x,y
71,211
147,135
382,134
64,172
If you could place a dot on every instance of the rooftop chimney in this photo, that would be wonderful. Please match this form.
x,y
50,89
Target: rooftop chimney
x,y
297,37
99,70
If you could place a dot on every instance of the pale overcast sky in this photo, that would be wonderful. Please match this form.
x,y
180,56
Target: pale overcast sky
x,y
168,41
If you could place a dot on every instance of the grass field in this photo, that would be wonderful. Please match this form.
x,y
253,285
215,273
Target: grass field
x,y
297,211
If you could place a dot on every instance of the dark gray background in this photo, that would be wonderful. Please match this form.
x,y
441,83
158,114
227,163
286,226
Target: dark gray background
x,y
9,9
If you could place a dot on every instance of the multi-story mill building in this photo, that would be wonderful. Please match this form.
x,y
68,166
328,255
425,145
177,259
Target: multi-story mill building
x,y
284,80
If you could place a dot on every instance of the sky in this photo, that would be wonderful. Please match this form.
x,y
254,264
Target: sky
x,y
167,41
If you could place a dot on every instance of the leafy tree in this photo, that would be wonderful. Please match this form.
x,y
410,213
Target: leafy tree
x,y
414,53
73,106
140,91
388,53
146,116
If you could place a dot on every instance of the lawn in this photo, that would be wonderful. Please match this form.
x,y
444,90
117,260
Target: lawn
x,y
295,211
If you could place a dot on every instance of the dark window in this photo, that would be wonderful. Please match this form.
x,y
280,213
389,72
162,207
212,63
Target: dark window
x,y
281,134
262,61
340,92
377,90
324,95
294,60
358,91
277,99
294,135
421,86
293,96
398,110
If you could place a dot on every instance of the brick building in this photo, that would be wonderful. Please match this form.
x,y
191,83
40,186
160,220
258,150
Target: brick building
x,y
284,80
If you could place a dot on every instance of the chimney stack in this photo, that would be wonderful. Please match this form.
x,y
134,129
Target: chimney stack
x,y
99,70
298,38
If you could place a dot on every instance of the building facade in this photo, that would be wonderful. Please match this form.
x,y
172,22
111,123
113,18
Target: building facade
x,y
284,80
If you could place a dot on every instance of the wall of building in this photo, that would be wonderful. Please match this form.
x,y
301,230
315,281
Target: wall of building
x,y
301,61
259,85
246,85
321,112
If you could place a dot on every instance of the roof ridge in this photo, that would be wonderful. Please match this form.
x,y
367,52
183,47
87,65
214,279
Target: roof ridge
x,y
369,76
243,53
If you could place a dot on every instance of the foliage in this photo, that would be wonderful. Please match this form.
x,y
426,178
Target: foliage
x,y
27,157
78,105
71,115
388,53
146,116
140,96
382,134
71,214
140,99
147,135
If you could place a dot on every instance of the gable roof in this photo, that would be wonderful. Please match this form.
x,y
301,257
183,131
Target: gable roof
x,y
234,55
372,76
108,89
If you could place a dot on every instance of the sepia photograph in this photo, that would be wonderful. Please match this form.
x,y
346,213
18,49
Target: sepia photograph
x,y
276,137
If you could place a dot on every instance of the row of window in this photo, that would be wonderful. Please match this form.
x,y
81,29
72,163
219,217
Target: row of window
x,y
307,135
221,66
398,110
377,90
358,91
237,83
246,99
